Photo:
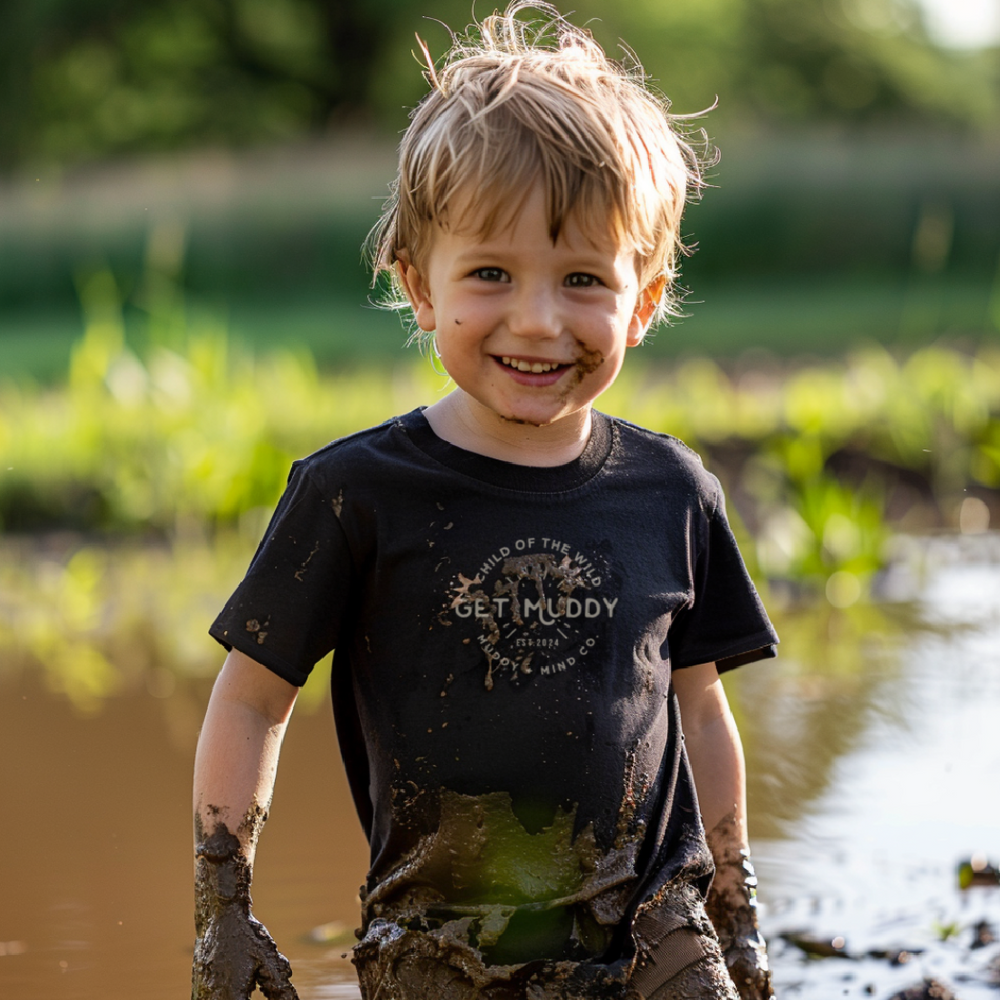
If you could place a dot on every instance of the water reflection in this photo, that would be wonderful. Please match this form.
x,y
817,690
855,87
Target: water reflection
x,y
873,858
872,744
799,716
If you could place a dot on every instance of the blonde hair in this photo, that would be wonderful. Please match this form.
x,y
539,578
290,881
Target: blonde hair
x,y
517,101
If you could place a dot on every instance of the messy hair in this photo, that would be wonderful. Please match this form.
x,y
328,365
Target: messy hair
x,y
515,102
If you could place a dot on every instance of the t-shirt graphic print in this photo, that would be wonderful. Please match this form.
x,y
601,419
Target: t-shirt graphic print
x,y
535,606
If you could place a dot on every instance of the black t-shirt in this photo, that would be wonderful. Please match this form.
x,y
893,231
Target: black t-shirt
x,y
504,642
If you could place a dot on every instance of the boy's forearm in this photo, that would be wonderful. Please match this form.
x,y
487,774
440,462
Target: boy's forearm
x,y
716,756
732,908
237,756
235,766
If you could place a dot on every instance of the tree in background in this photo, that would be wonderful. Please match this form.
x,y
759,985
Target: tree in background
x,y
83,81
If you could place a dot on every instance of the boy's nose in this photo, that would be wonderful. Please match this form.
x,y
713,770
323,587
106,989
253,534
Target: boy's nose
x,y
535,313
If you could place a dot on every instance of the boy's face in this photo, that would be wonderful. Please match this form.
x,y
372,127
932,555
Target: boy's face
x,y
530,331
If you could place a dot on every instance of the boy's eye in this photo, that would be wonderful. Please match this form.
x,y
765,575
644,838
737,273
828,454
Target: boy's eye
x,y
491,274
581,280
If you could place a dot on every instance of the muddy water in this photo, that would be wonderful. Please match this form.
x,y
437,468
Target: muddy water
x,y
871,861
874,773
95,848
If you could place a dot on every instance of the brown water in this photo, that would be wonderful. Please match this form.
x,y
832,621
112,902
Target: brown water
x,y
874,747
96,847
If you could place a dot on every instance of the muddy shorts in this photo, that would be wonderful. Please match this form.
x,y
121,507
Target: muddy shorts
x,y
678,959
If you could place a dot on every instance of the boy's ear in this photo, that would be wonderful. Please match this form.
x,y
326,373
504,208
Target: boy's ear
x,y
645,307
416,291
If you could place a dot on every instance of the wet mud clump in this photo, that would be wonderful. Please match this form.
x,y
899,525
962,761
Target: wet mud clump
x,y
678,953
929,989
483,909
234,952
732,907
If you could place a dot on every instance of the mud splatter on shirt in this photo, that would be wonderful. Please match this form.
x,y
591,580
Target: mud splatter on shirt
x,y
516,674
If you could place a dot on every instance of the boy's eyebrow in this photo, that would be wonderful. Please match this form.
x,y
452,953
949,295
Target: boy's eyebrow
x,y
585,248
583,259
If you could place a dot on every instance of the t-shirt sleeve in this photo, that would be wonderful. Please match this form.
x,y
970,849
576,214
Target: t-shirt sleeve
x,y
725,621
287,611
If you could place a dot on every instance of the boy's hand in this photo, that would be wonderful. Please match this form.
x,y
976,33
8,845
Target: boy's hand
x,y
234,952
732,908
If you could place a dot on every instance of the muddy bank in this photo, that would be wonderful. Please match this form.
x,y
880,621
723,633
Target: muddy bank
x,y
930,953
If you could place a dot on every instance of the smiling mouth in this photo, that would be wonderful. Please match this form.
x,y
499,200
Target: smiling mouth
x,y
533,367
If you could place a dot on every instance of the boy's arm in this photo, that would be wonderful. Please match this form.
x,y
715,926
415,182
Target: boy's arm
x,y
716,755
234,771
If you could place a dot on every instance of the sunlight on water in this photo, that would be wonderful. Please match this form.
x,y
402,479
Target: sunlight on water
x,y
875,859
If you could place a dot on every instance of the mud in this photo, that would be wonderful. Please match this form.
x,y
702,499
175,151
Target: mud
x,y
258,629
300,573
234,952
636,788
705,980
929,989
678,954
732,907
481,908
586,364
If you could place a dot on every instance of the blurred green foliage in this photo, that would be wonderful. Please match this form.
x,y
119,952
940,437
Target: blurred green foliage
x,y
96,618
195,434
821,459
79,81
196,430
806,244
133,492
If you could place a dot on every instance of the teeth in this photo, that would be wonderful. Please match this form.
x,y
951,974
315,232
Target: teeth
x,y
535,367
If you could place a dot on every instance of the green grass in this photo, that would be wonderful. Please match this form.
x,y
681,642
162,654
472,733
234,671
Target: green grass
x,y
180,416
791,319
136,482
37,345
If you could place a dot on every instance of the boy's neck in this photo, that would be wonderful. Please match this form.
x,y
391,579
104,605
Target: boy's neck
x,y
462,421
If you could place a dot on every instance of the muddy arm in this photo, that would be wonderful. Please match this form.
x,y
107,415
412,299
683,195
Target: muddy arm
x,y
716,755
235,766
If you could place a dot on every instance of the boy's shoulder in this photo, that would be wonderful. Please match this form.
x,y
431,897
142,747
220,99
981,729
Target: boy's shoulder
x,y
634,435
358,449
666,455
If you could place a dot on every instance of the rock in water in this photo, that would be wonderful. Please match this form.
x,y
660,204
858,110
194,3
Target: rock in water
x,y
929,989
983,934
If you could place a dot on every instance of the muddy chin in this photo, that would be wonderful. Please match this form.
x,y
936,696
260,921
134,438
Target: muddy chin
x,y
586,364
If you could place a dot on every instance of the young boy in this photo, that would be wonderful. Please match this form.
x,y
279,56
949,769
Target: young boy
x,y
530,601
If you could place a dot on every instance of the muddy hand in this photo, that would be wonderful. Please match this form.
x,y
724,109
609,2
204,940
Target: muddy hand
x,y
234,952
732,908
746,959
